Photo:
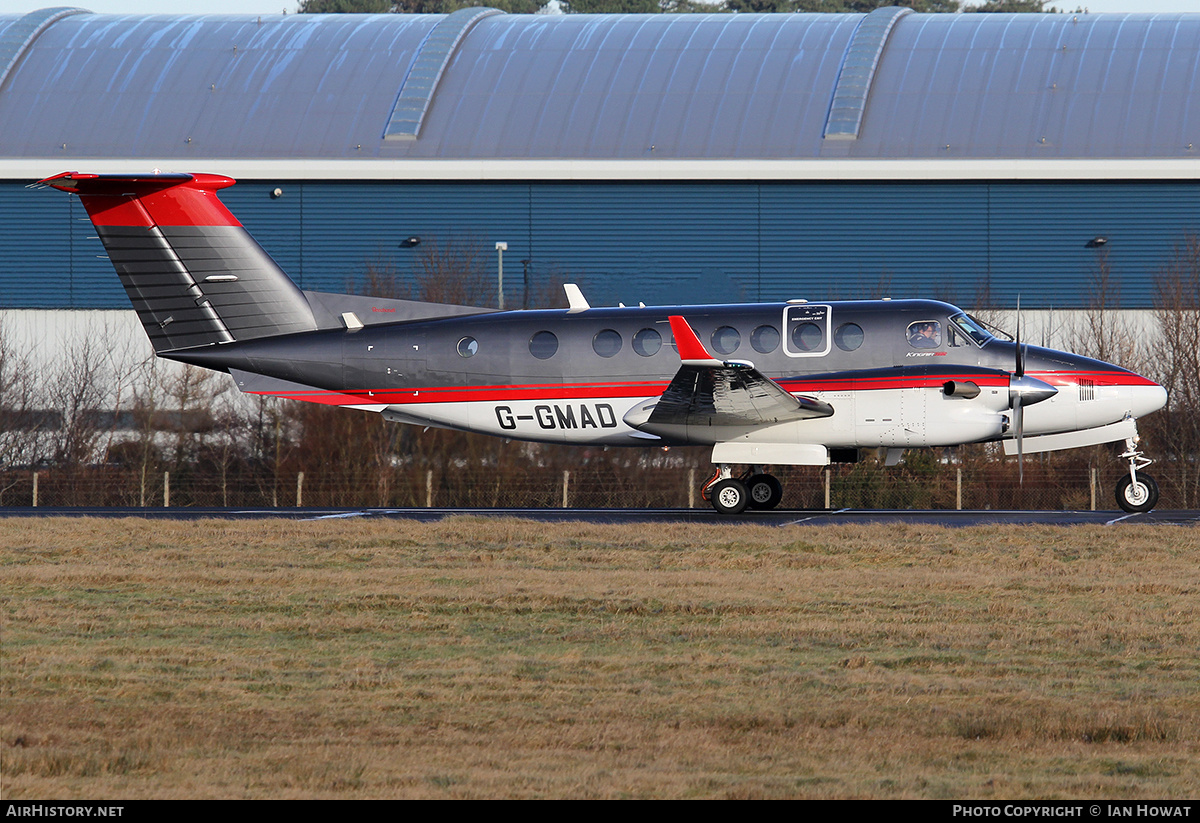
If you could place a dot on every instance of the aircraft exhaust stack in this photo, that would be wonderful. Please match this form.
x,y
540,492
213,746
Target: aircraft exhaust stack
x,y
961,388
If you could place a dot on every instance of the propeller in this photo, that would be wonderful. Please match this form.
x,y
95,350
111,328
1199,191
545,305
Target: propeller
x,y
1024,391
1020,351
1018,409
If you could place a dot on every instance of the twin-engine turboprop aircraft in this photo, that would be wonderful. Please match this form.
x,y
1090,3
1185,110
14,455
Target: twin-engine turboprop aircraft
x,y
795,383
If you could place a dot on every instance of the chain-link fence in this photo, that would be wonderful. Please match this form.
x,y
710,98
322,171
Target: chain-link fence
x,y
1046,485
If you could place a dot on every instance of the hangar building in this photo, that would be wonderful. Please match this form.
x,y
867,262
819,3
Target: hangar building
x,y
661,158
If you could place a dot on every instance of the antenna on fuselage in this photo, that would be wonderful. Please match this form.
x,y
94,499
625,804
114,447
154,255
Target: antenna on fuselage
x,y
575,299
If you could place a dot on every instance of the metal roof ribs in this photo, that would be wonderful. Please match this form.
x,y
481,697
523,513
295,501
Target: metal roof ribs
x,y
421,82
857,72
20,35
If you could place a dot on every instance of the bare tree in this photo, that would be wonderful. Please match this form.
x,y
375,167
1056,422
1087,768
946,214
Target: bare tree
x,y
147,398
454,271
1175,362
127,359
77,388
22,424
451,271
192,393
381,278
1103,331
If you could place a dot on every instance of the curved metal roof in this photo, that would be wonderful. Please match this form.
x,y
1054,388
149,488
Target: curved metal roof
x,y
625,87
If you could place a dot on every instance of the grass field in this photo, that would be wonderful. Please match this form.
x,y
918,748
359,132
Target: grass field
x,y
502,658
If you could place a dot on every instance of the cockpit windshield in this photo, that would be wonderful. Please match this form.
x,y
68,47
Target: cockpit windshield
x,y
971,329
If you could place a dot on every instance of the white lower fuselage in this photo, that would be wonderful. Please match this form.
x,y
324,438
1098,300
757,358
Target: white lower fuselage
x,y
866,418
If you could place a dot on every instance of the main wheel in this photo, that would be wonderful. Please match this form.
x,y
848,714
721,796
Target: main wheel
x,y
1137,497
729,496
765,491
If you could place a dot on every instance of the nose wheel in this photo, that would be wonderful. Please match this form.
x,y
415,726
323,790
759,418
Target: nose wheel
x,y
1136,492
1138,495
733,495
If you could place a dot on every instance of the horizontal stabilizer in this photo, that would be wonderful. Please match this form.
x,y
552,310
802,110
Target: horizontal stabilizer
x,y
251,383
328,308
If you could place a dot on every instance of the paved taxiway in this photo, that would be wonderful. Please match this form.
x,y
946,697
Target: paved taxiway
x,y
779,517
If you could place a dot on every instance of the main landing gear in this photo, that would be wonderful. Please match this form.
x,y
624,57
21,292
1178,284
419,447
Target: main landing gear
x,y
1136,491
731,495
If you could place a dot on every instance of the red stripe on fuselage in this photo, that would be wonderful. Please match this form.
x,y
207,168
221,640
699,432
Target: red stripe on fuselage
x,y
589,391
1100,378
803,385
469,394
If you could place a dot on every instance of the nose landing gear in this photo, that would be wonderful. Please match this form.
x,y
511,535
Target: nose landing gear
x,y
1136,492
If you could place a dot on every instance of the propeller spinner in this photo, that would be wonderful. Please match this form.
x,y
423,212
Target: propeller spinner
x,y
1024,391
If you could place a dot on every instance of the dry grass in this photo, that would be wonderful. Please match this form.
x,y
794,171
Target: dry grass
x,y
484,658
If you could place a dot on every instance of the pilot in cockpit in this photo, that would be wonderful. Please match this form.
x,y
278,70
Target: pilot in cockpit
x,y
925,335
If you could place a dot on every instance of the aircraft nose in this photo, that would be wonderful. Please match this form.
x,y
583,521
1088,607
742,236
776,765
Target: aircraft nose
x,y
1146,399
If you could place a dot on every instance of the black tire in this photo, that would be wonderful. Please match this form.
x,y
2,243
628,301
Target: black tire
x,y
764,491
1137,497
729,496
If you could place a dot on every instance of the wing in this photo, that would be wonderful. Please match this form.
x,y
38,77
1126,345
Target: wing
x,y
710,392
733,394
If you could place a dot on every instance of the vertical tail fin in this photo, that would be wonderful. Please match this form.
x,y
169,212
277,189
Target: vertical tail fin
x,y
194,275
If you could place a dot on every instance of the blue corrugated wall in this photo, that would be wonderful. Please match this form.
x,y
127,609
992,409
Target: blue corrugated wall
x,y
667,243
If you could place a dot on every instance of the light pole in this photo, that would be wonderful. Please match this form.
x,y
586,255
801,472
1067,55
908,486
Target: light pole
x,y
501,247
525,301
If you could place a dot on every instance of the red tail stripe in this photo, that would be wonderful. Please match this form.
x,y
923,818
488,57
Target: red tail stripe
x,y
145,200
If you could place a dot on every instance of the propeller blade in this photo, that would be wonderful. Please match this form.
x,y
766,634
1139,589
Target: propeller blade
x,y
1016,387
1019,425
1020,372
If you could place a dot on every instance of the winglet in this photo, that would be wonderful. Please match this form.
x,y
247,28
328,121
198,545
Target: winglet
x,y
691,350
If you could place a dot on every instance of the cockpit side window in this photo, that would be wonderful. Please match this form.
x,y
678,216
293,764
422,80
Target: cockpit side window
x,y
971,329
925,334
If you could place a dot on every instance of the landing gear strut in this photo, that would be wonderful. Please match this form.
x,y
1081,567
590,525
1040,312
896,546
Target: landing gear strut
x,y
731,495
1136,492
